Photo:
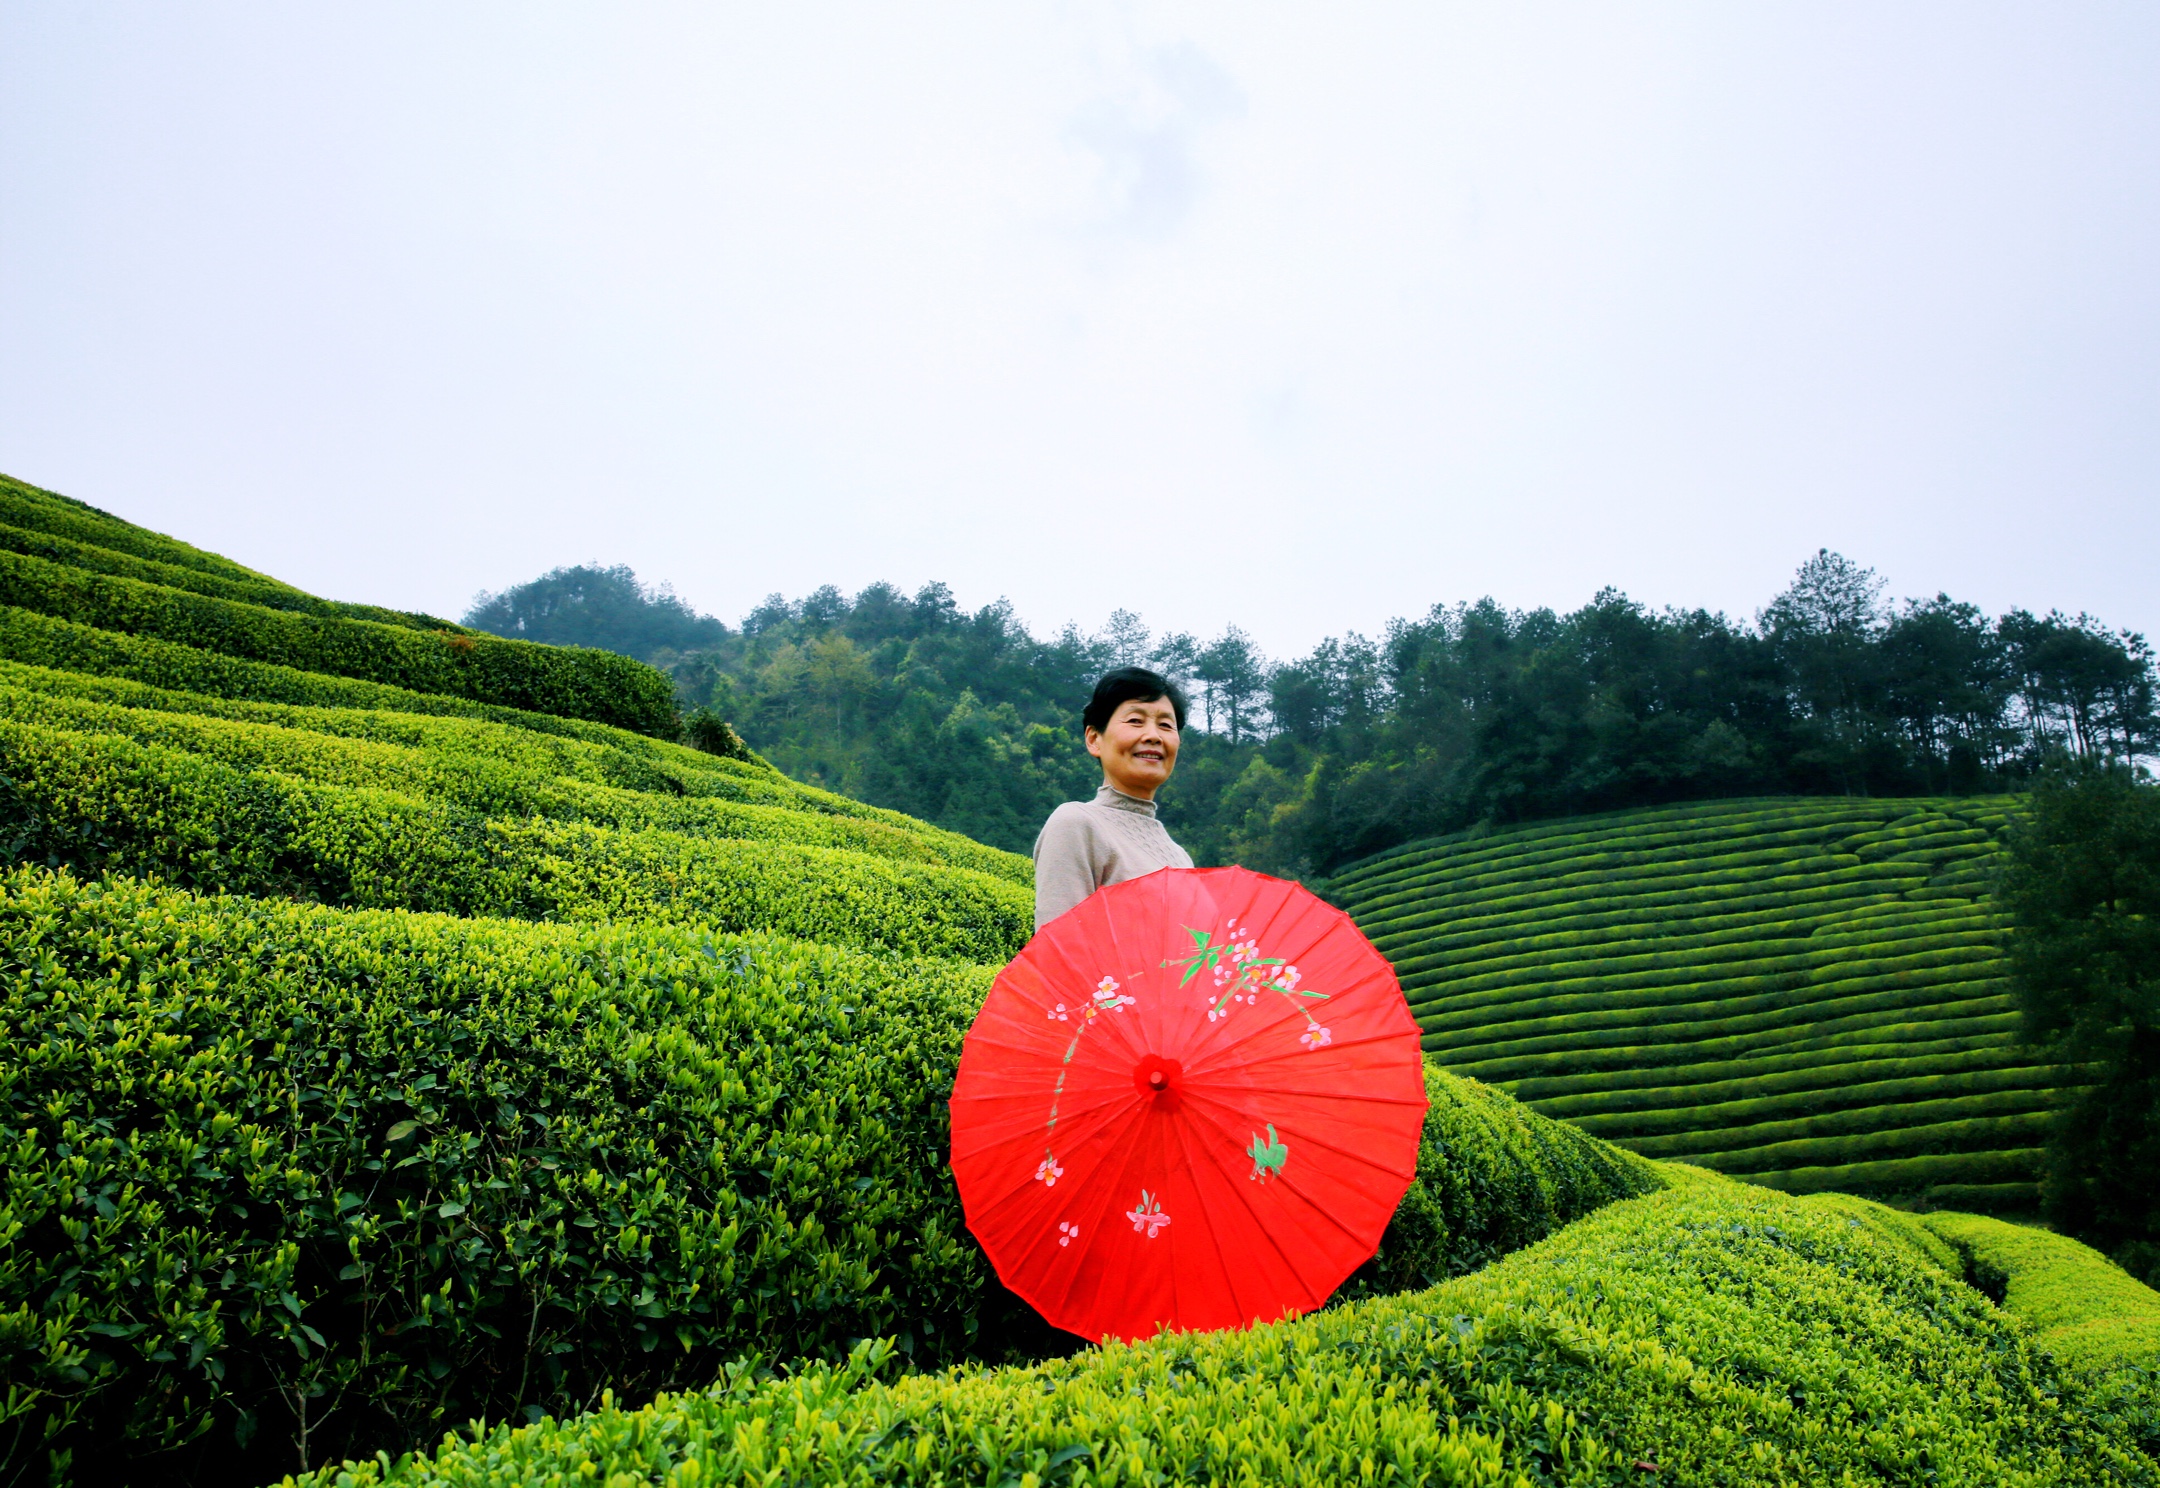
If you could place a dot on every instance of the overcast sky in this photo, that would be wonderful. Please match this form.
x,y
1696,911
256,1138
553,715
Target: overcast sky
x,y
1291,316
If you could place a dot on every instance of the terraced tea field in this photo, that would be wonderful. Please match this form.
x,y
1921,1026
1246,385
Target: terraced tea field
x,y
1807,993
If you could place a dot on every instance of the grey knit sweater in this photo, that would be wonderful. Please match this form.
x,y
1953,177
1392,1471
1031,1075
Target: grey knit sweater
x,y
1088,845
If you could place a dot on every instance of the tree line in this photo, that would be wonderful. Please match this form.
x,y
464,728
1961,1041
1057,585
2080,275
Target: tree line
x,y
1473,714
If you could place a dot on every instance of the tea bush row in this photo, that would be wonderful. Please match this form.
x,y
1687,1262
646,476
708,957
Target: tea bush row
x,y
1710,1335
1413,864
61,659
505,772
27,506
1491,871
266,592
581,683
98,802
1836,1097
88,654
2081,1306
1650,1086
1739,949
284,1179
1655,843
2010,1173
1649,1072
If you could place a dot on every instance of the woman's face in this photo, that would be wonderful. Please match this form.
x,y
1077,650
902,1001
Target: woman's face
x,y
1138,749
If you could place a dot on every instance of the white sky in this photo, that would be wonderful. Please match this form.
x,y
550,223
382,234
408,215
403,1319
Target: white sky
x,y
1295,316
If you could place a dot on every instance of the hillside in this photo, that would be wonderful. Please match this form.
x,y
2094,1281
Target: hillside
x,y
1804,992
406,1029
334,775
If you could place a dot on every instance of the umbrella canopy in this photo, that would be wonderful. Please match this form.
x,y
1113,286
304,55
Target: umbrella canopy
x,y
1192,1102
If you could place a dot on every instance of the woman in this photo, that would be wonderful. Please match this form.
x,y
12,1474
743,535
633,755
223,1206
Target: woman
x,y
1132,724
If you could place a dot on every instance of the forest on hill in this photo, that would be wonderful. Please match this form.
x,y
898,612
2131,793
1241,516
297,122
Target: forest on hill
x,y
1474,713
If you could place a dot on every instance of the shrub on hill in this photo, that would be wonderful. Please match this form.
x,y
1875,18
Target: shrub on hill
x,y
23,505
286,1181
1714,1335
2083,1307
67,660
1809,993
98,801
52,644
265,592
493,769
596,685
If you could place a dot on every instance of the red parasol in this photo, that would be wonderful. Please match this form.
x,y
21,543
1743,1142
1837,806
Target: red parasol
x,y
1192,1102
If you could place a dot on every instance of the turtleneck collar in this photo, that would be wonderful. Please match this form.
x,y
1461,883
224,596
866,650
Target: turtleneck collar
x,y
1109,795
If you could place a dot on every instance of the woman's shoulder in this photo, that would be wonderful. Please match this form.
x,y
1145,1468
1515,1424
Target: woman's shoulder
x,y
1071,814
1073,818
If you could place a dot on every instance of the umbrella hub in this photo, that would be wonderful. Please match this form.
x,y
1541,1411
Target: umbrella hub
x,y
1161,1080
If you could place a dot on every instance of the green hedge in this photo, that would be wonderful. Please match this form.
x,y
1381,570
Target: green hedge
x,y
61,658
58,646
28,506
1661,1086
265,592
96,802
1492,1178
1923,1177
2014,1132
414,1169
495,771
1709,1335
571,680
1623,1070
1837,1100
2081,1306
1745,947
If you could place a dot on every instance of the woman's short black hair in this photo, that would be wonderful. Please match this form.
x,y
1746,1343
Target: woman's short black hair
x,y
1130,685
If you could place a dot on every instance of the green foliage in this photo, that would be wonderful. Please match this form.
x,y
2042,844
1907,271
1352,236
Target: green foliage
x,y
25,506
1807,992
100,801
49,643
1492,1177
604,607
2081,1306
343,1179
614,779
2083,896
595,685
1471,715
266,592
1711,1336
331,1177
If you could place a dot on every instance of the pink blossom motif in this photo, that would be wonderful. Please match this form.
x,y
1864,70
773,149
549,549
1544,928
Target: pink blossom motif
x,y
1057,1014
1107,997
1148,1217
1067,1233
1240,973
1315,1036
1047,1172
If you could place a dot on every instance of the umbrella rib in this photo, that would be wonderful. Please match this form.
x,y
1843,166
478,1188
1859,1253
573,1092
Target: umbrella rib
x,y
1293,1055
1194,1162
1288,1261
1225,1052
1323,1143
1348,1152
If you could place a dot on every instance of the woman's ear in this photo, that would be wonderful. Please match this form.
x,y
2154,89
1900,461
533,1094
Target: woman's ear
x,y
1094,741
